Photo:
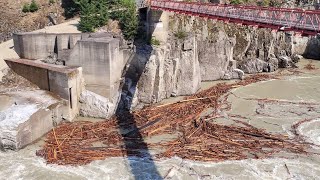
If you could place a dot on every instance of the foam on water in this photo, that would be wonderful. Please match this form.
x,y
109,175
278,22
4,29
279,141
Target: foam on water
x,y
311,131
25,165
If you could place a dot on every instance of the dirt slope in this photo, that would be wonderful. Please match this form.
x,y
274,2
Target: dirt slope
x,y
12,19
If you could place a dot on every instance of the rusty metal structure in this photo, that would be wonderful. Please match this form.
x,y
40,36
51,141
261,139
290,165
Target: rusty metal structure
x,y
301,21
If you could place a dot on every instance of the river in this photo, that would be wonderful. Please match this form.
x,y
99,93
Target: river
x,y
297,96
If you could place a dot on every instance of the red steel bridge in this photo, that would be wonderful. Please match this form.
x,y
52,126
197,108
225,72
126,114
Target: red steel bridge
x,y
305,22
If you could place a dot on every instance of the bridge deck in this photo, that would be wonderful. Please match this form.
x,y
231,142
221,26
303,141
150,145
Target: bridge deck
x,y
299,20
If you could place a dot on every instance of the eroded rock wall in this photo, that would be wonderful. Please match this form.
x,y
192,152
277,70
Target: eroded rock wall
x,y
164,71
253,49
205,50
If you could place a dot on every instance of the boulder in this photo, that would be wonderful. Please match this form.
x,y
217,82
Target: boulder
x,y
296,58
96,106
273,64
285,62
237,74
253,66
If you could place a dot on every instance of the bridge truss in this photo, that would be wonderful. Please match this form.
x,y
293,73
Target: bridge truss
x,y
306,22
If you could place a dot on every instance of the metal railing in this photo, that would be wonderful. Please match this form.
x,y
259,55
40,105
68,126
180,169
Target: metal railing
x,y
299,20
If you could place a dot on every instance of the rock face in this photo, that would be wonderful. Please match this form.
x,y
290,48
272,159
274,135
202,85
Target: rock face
x,y
253,49
312,48
94,105
212,51
215,55
169,70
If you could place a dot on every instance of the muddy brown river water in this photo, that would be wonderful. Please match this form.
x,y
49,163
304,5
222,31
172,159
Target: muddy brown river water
x,y
293,98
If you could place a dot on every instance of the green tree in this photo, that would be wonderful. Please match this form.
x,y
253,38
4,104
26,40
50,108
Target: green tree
x,y
127,18
93,14
33,6
26,8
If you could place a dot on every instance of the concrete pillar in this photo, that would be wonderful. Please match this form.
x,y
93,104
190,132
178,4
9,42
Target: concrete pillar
x,y
158,24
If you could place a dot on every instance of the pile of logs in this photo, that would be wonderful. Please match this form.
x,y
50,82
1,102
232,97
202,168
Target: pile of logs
x,y
310,66
198,138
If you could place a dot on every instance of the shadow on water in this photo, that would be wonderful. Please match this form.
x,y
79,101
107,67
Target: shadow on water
x,y
311,50
129,129
133,139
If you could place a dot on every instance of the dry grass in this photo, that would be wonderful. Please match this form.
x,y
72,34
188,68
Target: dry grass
x,y
12,19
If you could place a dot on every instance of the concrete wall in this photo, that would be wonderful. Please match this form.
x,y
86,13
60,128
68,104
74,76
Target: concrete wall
x,y
41,45
38,125
28,116
63,81
99,54
102,64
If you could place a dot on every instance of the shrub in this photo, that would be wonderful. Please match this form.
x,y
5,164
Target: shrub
x,y
26,8
235,2
154,41
33,6
181,35
71,8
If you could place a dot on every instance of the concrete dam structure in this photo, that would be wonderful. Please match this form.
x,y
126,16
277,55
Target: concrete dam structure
x,y
69,67
98,54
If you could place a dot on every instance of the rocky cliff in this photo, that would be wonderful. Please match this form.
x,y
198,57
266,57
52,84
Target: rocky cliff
x,y
205,50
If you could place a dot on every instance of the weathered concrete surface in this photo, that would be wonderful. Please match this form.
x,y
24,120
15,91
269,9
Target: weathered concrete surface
x,y
64,81
7,48
41,45
24,118
102,64
98,53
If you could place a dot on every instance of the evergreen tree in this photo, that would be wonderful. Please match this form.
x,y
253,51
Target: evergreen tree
x,y
93,14
33,6
127,18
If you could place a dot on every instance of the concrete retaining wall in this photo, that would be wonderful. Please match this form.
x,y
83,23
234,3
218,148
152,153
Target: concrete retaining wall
x,y
41,45
99,54
102,64
28,116
38,125
63,81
